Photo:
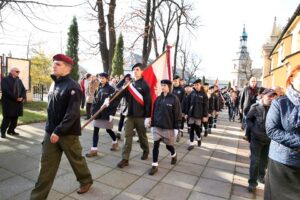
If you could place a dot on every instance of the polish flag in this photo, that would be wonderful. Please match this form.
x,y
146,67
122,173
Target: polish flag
x,y
160,69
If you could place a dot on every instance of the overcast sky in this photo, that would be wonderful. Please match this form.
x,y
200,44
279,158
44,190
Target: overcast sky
x,y
216,41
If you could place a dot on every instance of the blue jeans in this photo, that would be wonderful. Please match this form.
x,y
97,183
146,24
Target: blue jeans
x,y
258,160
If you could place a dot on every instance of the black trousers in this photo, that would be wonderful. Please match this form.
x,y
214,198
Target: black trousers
x,y
121,122
88,107
10,123
282,182
258,161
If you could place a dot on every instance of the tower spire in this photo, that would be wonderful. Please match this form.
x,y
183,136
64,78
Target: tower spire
x,y
243,38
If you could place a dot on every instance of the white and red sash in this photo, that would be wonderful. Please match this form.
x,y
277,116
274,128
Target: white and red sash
x,y
136,94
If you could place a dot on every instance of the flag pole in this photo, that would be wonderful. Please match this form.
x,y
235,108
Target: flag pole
x,y
103,107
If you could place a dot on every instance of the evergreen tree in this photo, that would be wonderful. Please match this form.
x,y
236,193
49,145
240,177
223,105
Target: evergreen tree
x,y
229,85
72,47
118,60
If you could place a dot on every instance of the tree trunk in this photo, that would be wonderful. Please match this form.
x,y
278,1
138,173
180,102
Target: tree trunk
x,y
102,36
112,32
146,34
155,43
177,42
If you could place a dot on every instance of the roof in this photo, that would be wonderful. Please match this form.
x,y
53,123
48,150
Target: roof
x,y
296,13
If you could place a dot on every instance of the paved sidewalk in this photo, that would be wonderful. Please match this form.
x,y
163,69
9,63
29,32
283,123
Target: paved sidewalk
x,y
215,171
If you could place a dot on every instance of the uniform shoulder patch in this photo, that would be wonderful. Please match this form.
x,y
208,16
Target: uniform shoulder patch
x,y
73,92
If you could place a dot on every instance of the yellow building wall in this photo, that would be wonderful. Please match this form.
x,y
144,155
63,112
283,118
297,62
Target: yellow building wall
x,y
287,45
274,61
294,60
279,77
279,70
267,83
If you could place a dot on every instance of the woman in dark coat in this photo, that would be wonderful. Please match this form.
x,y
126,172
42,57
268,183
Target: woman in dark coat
x,y
13,96
105,118
165,122
283,128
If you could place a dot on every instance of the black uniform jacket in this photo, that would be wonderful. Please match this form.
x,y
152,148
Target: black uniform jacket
x,y
135,109
12,88
214,104
197,105
103,93
64,107
179,92
166,112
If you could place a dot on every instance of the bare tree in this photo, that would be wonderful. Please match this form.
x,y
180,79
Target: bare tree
x,y
193,68
184,58
106,46
27,8
184,17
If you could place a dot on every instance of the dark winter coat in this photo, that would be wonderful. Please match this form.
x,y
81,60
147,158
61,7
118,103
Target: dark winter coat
x,y
197,105
213,103
12,88
107,91
135,109
179,92
248,97
166,112
283,128
64,100
256,120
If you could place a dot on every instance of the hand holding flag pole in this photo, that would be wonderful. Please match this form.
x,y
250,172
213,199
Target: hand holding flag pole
x,y
103,107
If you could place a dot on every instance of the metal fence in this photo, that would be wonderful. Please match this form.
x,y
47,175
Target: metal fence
x,y
40,92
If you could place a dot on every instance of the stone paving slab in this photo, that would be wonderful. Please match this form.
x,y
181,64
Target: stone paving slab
x,y
217,170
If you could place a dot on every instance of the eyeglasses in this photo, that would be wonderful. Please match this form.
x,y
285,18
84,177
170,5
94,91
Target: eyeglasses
x,y
17,71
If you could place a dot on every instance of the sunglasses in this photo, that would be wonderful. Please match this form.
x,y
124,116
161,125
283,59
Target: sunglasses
x,y
17,71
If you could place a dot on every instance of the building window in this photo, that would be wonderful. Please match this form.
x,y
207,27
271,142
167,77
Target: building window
x,y
280,54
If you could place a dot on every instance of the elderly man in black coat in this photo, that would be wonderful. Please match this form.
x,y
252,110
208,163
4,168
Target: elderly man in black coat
x,y
13,96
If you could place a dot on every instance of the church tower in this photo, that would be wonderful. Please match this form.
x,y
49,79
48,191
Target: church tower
x,y
266,50
242,64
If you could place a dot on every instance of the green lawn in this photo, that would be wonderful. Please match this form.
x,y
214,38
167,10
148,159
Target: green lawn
x,y
35,111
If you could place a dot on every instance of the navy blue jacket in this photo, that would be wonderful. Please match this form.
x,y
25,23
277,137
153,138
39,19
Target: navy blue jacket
x,y
106,91
166,112
197,105
285,138
256,120
64,99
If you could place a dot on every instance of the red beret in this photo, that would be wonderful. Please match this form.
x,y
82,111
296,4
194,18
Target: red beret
x,y
64,58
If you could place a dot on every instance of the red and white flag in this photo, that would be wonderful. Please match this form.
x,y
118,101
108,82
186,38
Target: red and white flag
x,y
160,69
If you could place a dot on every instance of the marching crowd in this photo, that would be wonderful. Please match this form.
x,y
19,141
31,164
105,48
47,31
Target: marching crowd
x,y
269,118
198,105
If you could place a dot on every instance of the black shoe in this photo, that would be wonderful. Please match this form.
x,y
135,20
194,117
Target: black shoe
x,y
123,163
174,160
261,179
3,136
251,188
13,133
118,136
205,133
199,143
153,170
245,137
145,156
215,126
190,147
